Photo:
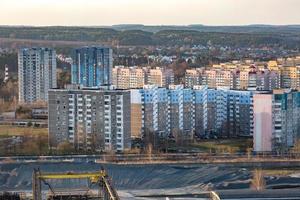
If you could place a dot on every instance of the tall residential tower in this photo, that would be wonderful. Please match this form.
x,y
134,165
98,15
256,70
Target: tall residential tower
x,y
92,66
37,73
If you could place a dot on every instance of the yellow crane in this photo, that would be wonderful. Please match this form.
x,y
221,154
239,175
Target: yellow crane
x,y
99,178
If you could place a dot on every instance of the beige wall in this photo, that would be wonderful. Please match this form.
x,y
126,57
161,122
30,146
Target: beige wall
x,y
136,120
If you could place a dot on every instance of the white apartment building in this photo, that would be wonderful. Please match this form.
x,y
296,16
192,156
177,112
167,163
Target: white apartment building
x,y
37,74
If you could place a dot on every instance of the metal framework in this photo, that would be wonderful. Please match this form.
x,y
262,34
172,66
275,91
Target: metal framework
x,y
100,178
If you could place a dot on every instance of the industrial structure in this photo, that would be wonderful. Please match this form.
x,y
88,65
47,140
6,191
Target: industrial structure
x,y
99,179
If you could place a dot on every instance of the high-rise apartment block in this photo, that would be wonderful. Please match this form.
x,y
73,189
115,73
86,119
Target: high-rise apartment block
x,y
90,120
36,73
92,66
200,111
276,120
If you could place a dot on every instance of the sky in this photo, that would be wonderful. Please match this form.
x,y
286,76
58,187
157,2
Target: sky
x,y
148,12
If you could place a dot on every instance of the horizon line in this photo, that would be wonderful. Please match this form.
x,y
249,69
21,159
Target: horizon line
x,y
147,25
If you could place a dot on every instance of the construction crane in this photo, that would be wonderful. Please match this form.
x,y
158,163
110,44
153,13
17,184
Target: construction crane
x,y
100,178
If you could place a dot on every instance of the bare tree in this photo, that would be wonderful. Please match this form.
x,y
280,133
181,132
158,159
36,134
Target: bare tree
x,y
149,151
258,182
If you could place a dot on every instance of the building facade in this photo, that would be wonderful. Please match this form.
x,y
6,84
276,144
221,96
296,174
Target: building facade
x,y
249,77
276,120
126,78
160,77
137,77
90,120
192,78
92,66
36,74
200,111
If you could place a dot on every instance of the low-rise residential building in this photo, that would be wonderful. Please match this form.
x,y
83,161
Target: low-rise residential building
x,y
192,77
245,77
137,77
160,77
125,78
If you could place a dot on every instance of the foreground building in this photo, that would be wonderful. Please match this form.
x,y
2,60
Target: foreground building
x,y
90,120
200,111
36,74
276,120
92,66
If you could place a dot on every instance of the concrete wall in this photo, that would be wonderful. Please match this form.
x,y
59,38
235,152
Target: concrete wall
x,y
263,122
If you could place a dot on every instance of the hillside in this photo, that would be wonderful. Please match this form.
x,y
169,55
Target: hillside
x,y
239,36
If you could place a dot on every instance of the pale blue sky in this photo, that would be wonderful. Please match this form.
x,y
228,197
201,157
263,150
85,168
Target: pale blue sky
x,y
149,12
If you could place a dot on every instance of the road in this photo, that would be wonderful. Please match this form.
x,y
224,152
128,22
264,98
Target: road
x,y
188,158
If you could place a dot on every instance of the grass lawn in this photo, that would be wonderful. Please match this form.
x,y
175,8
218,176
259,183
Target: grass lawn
x,y
34,142
8,131
224,145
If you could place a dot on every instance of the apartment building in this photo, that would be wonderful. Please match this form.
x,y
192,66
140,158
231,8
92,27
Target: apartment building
x,y
92,66
136,77
155,103
160,77
242,78
121,77
165,111
137,108
239,113
276,120
90,120
126,78
201,118
193,77
209,78
36,73
200,111
290,77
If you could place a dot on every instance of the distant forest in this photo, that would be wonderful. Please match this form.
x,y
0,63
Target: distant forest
x,y
135,35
